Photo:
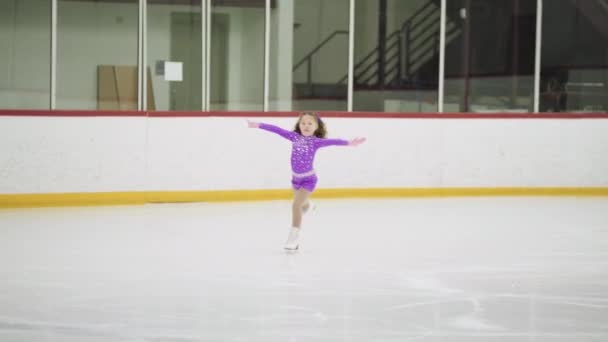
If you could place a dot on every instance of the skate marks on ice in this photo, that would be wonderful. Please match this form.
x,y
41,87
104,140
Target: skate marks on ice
x,y
397,270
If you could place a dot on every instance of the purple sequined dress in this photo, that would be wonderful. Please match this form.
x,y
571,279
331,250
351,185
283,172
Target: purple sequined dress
x,y
303,155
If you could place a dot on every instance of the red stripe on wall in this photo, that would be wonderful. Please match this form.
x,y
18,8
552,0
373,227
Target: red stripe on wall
x,y
331,114
68,113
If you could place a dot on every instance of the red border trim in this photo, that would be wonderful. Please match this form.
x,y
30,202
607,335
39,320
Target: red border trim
x,y
68,113
329,114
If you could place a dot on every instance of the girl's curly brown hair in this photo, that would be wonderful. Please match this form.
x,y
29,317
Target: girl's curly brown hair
x,y
321,131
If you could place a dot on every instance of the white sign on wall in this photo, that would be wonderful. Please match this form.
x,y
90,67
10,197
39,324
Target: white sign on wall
x,y
171,71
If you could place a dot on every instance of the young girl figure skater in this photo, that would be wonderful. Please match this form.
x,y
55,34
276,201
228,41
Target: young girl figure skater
x,y
306,138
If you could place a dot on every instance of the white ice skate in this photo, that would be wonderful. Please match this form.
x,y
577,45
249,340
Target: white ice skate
x,y
292,240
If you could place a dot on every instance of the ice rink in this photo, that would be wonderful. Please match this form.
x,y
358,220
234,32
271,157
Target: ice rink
x,y
452,269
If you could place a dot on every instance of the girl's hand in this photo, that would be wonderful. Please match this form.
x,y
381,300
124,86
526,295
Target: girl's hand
x,y
356,141
253,124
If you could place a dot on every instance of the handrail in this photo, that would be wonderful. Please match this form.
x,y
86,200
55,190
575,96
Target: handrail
x,y
417,13
419,18
428,26
377,48
408,47
410,21
364,59
319,46
431,36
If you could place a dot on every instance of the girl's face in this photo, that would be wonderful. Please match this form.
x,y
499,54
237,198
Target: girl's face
x,y
308,125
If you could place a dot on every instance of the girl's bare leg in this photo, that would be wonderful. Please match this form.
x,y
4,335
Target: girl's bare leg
x,y
306,207
300,199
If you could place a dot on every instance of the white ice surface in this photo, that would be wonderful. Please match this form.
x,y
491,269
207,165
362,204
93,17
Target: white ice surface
x,y
458,269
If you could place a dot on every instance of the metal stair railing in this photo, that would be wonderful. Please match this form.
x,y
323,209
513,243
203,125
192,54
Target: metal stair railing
x,y
308,58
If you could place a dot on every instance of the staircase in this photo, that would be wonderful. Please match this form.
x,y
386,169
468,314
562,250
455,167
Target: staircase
x,y
407,51
406,54
596,12
309,89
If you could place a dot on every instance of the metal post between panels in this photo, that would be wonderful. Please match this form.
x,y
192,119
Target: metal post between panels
x,y
203,49
537,54
351,50
440,91
207,33
53,64
266,55
139,55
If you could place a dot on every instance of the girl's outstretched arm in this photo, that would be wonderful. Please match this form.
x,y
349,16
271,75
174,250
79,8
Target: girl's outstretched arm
x,y
339,142
357,141
274,129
